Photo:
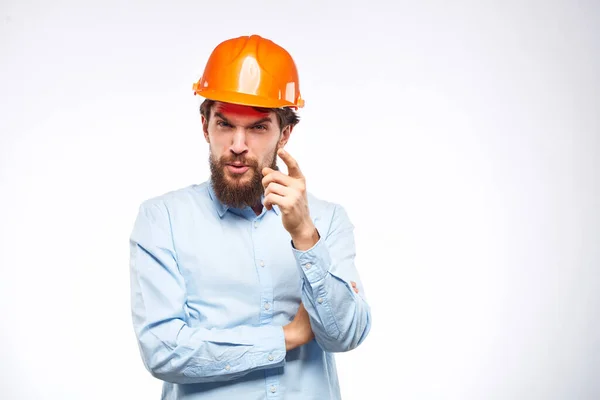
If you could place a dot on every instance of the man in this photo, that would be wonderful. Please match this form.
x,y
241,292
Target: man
x,y
245,285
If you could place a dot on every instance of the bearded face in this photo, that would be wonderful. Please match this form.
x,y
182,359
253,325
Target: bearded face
x,y
243,141
239,186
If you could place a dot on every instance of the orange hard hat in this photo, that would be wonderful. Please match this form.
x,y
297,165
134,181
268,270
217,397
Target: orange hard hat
x,y
252,71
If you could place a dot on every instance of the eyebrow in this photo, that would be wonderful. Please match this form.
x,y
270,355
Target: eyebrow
x,y
260,121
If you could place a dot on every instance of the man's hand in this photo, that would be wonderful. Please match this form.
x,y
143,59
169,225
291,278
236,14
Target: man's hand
x,y
299,331
289,193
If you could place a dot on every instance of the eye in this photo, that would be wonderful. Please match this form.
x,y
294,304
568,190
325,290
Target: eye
x,y
260,127
223,124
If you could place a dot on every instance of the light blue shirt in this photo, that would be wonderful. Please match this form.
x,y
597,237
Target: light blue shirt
x,y
212,288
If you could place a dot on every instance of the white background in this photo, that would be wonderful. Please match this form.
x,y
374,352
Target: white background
x,y
462,137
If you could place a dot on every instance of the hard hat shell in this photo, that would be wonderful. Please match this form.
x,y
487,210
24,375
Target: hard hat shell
x,y
252,71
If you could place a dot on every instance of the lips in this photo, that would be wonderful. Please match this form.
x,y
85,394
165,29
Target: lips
x,y
237,168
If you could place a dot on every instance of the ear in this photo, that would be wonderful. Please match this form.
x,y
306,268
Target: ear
x,y
285,135
205,129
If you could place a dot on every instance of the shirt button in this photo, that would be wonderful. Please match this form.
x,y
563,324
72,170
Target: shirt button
x,y
270,357
256,224
262,263
273,389
320,300
267,306
227,367
307,265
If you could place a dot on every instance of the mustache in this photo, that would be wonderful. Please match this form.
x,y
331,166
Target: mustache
x,y
250,162
239,159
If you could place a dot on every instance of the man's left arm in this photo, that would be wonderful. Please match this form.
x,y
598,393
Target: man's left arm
x,y
340,317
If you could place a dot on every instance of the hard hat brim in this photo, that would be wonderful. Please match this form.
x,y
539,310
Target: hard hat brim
x,y
244,99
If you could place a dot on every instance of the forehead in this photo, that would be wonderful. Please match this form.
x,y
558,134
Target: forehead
x,y
236,111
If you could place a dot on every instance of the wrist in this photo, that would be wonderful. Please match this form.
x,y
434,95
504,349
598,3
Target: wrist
x,y
290,337
306,238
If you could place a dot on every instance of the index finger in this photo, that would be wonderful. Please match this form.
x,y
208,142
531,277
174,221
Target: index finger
x,y
293,168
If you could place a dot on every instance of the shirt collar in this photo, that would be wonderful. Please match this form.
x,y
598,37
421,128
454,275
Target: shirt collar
x,y
222,208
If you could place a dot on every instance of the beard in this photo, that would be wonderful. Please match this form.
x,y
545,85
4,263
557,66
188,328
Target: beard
x,y
238,191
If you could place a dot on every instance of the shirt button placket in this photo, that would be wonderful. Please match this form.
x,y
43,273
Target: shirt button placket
x,y
260,241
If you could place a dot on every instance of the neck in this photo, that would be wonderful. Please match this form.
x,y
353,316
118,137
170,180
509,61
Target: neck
x,y
257,208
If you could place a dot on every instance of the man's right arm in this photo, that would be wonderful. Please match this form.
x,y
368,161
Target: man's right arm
x,y
171,350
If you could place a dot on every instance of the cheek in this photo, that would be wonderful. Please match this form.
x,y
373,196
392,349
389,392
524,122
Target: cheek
x,y
263,144
217,144
216,152
264,152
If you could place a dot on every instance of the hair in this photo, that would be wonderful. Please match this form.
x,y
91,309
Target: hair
x,y
286,116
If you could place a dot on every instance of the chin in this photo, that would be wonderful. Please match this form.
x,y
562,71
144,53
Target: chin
x,y
237,178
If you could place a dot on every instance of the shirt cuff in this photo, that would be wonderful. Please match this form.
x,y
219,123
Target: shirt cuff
x,y
271,348
314,262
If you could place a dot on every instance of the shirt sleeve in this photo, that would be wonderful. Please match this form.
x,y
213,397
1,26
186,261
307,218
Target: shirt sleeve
x,y
171,349
340,318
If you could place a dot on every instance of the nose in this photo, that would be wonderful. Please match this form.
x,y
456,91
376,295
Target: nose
x,y
238,144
